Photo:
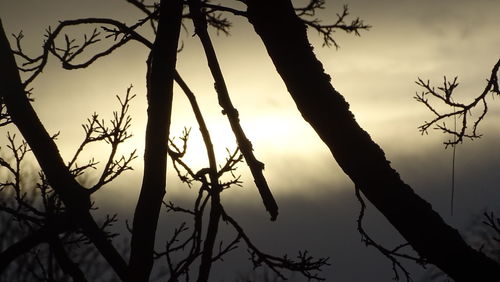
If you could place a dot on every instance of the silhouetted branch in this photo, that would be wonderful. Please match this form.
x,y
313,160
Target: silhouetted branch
x,y
460,111
310,9
256,167
327,30
494,223
353,148
21,217
211,234
212,12
231,161
159,78
40,235
143,7
67,265
115,136
150,10
483,232
71,49
176,154
4,115
214,185
18,201
393,254
305,264
74,196
194,239
18,153
95,131
228,248
209,8
122,34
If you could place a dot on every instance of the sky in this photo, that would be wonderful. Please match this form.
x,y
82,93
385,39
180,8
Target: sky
x,y
375,72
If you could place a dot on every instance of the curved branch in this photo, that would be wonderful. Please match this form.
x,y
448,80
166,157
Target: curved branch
x,y
74,196
444,94
285,38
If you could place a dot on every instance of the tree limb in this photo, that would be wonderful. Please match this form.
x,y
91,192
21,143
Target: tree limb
x,y
161,69
285,38
74,196
256,167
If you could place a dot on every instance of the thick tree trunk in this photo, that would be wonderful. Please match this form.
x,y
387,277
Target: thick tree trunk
x,y
75,197
285,39
160,77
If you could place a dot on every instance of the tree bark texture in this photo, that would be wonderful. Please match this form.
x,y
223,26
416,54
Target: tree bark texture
x,y
75,197
160,76
285,38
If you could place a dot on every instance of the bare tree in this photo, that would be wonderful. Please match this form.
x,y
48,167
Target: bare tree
x,y
62,216
282,28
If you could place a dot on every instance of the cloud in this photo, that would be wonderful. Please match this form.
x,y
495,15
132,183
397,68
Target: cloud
x,y
325,224
375,73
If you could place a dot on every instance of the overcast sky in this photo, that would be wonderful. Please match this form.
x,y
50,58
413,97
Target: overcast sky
x,y
375,73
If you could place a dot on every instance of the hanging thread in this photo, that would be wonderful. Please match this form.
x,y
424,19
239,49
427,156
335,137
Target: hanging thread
x,y
453,163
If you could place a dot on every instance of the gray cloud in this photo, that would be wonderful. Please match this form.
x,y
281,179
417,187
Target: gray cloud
x,y
374,72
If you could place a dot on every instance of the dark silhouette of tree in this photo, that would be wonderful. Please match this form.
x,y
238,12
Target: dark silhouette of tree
x,y
465,119
160,81
285,38
75,198
59,215
66,203
38,224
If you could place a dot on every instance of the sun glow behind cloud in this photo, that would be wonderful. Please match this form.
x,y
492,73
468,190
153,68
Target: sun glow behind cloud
x,y
375,73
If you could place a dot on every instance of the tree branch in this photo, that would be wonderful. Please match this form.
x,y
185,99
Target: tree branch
x,y
256,167
460,111
285,38
161,69
75,197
